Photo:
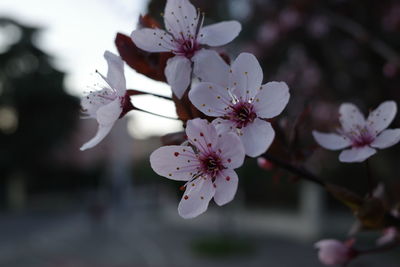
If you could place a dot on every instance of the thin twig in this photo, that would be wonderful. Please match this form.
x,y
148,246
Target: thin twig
x,y
361,34
155,114
148,93
380,249
299,171
370,180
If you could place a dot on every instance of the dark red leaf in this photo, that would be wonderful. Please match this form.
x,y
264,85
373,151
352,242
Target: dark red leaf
x,y
150,64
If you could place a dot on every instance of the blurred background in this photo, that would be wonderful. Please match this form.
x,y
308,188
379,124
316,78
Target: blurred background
x,y
106,208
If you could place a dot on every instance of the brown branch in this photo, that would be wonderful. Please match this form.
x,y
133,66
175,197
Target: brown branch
x,y
299,171
361,34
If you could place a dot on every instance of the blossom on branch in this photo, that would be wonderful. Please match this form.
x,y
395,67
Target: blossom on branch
x,y
207,165
108,104
362,135
333,252
235,95
184,36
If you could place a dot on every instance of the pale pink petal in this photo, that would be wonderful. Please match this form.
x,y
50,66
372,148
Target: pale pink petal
x,y
332,252
226,185
115,74
178,72
180,17
219,33
211,99
153,40
210,67
106,117
102,132
331,141
257,137
387,138
246,76
201,134
224,126
195,200
350,117
108,114
231,149
356,154
380,118
174,162
271,100
389,235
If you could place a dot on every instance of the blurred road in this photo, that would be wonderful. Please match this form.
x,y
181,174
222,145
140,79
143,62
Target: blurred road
x,y
139,239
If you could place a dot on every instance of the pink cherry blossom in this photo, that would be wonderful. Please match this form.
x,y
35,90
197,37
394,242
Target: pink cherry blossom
x,y
362,135
333,252
108,104
235,95
206,163
184,36
389,235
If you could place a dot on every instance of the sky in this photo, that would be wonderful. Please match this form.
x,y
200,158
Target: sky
x,y
76,33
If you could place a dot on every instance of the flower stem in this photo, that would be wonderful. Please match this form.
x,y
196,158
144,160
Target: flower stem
x,y
370,180
299,171
380,248
155,114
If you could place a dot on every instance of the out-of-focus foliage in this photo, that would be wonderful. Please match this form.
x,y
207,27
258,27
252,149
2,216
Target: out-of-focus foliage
x,y
36,114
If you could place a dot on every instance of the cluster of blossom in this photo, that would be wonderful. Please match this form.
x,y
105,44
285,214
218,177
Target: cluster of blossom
x,y
240,107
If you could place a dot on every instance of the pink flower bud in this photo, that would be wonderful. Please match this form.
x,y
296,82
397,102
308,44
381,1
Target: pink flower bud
x,y
333,252
265,164
389,235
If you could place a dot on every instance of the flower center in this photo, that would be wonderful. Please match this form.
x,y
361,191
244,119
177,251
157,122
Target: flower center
x,y
187,47
361,138
242,114
211,164
126,104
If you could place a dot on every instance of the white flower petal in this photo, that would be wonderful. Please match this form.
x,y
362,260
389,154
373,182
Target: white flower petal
x,y
210,67
246,76
180,16
257,137
356,154
224,126
106,117
109,113
153,40
195,200
101,133
178,72
219,33
226,186
201,134
210,98
174,162
380,118
387,138
231,149
331,141
115,74
350,117
272,99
